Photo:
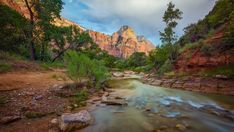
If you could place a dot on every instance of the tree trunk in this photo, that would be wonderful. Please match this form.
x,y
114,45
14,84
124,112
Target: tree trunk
x,y
31,40
60,53
42,51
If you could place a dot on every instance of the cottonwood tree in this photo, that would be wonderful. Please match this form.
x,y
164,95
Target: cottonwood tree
x,y
70,38
42,13
168,37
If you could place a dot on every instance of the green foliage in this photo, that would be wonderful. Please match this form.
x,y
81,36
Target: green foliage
x,y
3,100
77,65
81,96
81,66
222,70
13,27
170,17
121,64
5,67
166,67
48,65
228,39
206,49
158,57
191,46
221,13
137,59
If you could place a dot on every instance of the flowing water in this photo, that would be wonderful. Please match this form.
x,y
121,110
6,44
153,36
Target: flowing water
x,y
152,108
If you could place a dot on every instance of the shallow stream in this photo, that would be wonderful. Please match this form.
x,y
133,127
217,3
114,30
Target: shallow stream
x,y
152,108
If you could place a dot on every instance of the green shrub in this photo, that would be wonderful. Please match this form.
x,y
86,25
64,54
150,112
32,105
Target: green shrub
x,y
166,67
228,38
191,46
80,97
13,27
3,100
81,66
5,67
7,56
48,65
222,70
206,49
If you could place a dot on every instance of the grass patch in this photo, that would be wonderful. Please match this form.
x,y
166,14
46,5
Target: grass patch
x,y
191,46
32,114
3,100
58,77
80,97
223,70
48,65
6,56
5,67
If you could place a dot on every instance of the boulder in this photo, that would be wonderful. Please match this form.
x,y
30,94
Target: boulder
x,y
180,127
129,72
118,74
9,119
156,82
74,121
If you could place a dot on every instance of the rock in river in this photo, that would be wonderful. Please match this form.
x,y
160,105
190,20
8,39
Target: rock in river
x,y
78,120
114,102
118,74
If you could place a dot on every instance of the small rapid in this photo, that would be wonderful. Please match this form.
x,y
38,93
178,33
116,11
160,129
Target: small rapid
x,y
152,108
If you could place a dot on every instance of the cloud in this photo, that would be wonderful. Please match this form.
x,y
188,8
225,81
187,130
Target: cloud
x,y
145,16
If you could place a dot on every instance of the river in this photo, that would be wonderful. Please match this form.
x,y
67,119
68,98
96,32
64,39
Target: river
x,y
152,108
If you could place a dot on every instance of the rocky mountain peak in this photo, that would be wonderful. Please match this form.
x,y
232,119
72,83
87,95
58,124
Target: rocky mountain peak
x,y
141,38
126,32
122,43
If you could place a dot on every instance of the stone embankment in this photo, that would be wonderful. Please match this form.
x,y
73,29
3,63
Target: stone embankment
x,y
216,85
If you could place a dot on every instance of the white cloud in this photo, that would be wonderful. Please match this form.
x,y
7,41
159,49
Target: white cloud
x,y
145,16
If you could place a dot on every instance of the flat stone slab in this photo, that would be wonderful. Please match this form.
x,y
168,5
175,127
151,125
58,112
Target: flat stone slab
x,y
75,121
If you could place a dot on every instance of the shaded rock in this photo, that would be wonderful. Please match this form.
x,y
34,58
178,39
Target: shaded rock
x,y
9,119
39,97
104,96
114,102
78,120
54,121
180,127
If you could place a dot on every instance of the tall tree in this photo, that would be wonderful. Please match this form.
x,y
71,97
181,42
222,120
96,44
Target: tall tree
x,y
42,13
168,37
170,17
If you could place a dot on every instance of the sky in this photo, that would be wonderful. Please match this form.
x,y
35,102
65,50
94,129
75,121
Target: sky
x,y
144,16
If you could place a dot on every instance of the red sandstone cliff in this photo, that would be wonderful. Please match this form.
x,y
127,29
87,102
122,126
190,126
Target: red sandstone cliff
x,y
193,60
122,43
